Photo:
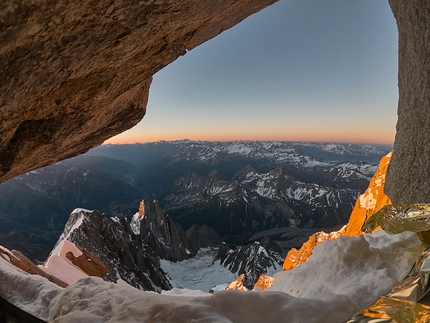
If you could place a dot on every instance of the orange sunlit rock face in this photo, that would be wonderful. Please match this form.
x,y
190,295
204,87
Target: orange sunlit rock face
x,y
237,284
88,263
264,282
371,201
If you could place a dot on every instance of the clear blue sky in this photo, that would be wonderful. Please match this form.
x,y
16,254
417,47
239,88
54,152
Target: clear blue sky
x,y
312,70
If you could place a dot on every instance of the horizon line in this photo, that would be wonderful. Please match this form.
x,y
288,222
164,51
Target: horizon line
x,y
247,140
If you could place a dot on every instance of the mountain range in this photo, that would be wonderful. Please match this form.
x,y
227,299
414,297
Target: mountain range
x,y
237,188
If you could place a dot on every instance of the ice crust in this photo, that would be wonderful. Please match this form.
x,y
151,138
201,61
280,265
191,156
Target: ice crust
x,y
339,279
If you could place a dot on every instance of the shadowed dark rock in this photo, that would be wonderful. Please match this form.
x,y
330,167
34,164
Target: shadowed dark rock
x,y
408,176
163,235
202,237
10,313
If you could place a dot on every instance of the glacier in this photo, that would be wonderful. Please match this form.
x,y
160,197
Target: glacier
x,y
199,272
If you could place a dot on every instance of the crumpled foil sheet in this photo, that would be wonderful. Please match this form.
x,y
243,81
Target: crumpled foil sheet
x,y
409,301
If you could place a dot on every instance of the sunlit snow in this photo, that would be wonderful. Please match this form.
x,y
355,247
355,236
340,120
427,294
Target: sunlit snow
x,y
59,266
79,215
57,263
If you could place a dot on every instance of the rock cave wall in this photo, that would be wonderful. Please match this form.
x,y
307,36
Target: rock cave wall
x,y
408,176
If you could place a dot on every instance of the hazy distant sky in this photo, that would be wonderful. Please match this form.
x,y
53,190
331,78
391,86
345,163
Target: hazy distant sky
x,y
308,70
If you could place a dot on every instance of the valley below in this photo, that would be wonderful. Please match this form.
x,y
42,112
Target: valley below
x,y
237,188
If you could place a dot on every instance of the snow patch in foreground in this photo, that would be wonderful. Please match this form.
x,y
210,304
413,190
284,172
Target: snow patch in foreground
x,y
359,268
32,293
340,279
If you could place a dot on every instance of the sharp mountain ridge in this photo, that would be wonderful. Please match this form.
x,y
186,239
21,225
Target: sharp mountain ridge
x,y
135,250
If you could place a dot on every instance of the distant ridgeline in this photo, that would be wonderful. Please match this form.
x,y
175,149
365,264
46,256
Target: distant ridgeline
x,y
237,188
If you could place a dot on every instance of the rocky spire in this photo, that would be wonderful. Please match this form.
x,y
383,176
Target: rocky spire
x,y
162,234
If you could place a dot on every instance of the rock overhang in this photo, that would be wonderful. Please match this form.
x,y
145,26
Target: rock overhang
x,y
75,74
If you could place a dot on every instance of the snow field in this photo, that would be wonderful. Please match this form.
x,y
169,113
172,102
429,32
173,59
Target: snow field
x,y
198,273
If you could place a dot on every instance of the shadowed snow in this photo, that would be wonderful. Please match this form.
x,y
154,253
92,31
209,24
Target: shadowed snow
x,y
339,279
